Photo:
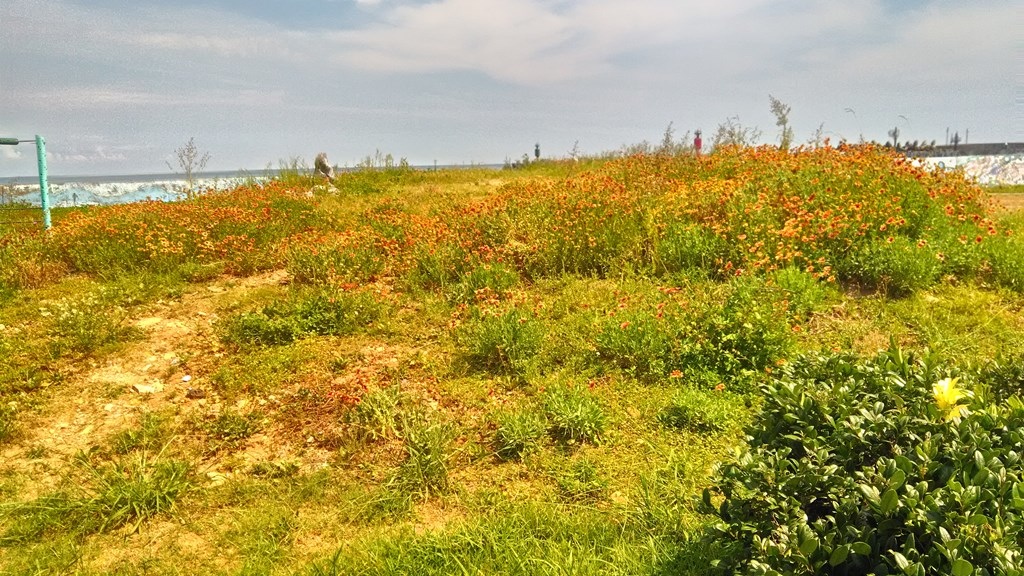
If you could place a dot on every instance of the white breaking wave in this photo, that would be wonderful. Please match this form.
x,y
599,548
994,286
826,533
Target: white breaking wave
x,y
985,170
86,193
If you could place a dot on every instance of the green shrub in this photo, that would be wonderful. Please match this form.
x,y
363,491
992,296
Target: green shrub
x,y
133,492
858,467
258,328
518,432
198,272
1004,376
664,498
260,371
738,332
741,337
1006,255
274,469
959,256
639,343
334,314
574,414
436,266
350,257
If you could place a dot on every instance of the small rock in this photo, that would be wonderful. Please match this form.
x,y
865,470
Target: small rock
x,y
148,322
186,378
148,388
195,394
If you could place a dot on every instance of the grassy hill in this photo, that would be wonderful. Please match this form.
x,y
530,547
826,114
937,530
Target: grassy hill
x,y
533,371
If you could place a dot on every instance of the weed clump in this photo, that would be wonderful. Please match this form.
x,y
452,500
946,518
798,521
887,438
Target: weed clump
x,y
428,452
8,421
503,342
702,412
377,415
574,415
518,432
84,325
582,481
231,428
322,314
149,435
109,496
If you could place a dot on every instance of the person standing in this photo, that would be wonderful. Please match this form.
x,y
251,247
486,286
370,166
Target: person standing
x,y
323,167
697,142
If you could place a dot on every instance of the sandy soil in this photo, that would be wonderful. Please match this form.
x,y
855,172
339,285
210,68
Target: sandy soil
x,y
1010,201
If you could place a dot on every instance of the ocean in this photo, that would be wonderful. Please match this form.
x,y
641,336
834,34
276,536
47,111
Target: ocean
x,y
102,190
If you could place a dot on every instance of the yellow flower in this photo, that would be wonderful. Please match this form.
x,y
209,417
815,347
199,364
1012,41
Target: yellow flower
x,y
947,396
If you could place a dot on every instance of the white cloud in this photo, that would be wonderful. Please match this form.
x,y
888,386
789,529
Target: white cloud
x,y
95,155
609,69
116,97
956,43
10,152
537,42
514,41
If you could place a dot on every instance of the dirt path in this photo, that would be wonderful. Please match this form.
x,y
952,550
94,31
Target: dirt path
x,y
149,375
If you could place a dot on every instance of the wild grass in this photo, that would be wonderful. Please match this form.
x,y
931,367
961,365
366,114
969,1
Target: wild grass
x,y
106,496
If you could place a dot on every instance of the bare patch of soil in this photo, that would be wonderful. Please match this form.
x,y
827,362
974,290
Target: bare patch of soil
x,y
1010,201
148,375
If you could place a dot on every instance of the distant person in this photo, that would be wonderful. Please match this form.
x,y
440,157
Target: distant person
x,y
323,167
697,142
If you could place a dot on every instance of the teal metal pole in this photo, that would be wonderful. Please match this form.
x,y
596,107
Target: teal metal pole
x,y
44,188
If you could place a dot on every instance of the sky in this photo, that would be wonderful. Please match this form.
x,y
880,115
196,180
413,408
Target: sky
x,y
115,87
